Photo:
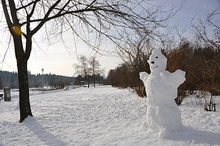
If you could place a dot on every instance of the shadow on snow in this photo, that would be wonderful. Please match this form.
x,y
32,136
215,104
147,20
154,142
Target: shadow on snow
x,y
45,136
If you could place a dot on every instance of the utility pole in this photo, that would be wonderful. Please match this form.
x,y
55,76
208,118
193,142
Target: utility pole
x,y
42,80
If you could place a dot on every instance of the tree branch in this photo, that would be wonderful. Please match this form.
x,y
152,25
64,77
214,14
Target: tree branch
x,y
33,8
45,19
7,17
13,12
24,7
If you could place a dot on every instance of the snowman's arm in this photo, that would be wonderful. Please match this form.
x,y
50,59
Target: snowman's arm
x,y
143,76
180,76
180,73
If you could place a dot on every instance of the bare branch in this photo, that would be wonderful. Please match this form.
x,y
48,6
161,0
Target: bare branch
x,y
46,17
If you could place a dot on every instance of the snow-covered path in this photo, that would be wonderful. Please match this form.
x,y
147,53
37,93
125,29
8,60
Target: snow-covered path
x,y
98,116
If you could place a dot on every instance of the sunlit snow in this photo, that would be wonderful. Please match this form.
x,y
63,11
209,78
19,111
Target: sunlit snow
x,y
96,117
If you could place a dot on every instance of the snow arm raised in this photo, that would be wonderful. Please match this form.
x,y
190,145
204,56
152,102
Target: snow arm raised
x,y
143,76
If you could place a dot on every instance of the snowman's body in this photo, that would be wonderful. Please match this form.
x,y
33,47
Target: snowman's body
x,y
163,115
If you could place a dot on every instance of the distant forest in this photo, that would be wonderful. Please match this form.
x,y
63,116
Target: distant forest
x,y
10,79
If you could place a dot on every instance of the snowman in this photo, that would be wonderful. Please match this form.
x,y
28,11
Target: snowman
x,y
163,115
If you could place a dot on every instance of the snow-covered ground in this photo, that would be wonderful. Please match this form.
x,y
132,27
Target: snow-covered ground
x,y
96,117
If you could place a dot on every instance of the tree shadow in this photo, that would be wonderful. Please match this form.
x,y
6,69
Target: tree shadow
x,y
195,136
45,136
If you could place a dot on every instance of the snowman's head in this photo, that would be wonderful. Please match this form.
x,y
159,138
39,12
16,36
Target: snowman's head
x,y
157,61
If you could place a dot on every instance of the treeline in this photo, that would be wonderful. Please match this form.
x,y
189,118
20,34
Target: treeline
x,y
201,64
10,79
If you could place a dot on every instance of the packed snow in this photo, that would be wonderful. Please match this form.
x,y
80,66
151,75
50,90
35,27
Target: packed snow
x,y
163,116
99,116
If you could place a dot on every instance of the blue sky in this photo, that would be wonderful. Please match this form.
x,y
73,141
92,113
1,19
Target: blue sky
x,y
57,59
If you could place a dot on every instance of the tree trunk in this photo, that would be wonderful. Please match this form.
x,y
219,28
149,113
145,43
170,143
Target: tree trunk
x,y
24,102
88,81
22,59
94,80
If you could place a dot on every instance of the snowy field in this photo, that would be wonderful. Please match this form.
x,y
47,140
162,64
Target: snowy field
x,y
97,117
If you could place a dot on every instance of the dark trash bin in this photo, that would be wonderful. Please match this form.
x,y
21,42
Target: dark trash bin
x,y
7,94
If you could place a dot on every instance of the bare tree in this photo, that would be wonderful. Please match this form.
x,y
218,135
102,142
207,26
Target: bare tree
x,y
111,19
202,29
83,68
88,68
95,67
155,35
